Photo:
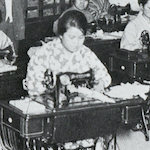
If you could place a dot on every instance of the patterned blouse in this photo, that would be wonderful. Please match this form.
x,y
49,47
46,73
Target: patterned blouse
x,y
55,57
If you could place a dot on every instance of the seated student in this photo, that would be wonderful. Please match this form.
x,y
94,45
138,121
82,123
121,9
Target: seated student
x,y
66,53
92,9
133,33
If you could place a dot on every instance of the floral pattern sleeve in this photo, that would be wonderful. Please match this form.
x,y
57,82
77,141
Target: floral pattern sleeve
x,y
35,72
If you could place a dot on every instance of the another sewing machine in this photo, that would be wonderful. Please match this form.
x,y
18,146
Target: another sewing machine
x,y
135,64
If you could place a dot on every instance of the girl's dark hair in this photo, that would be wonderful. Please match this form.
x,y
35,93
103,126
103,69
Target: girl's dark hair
x,y
143,2
72,18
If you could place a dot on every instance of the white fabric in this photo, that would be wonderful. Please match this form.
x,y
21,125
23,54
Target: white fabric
x,y
4,67
129,91
99,34
27,106
91,94
132,33
8,6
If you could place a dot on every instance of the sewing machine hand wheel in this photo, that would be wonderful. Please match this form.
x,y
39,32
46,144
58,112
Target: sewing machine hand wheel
x,y
145,38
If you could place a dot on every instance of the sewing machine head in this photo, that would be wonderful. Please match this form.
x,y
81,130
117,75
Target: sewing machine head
x,y
119,10
67,83
115,21
145,39
145,42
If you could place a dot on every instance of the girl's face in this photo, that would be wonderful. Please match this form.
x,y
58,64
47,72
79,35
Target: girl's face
x,y
81,4
73,39
146,9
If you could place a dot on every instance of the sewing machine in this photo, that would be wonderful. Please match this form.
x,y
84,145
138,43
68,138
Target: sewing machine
x,y
76,79
117,22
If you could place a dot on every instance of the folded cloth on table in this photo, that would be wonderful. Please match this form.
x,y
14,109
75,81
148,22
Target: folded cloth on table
x,y
81,144
129,91
90,93
105,35
28,106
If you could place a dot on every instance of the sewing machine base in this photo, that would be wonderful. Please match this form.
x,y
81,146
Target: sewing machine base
x,y
66,125
134,68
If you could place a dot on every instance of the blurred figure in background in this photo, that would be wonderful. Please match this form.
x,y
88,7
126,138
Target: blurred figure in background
x,y
6,48
99,9
7,52
132,38
80,5
12,23
92,9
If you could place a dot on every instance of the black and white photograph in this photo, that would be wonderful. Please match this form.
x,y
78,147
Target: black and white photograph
x,y
74,74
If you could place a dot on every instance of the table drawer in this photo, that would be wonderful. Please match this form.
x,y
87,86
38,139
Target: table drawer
x,y
131,114
132,68
26,126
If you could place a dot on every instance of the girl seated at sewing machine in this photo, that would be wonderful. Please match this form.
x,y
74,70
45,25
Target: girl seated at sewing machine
x,y
67,53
